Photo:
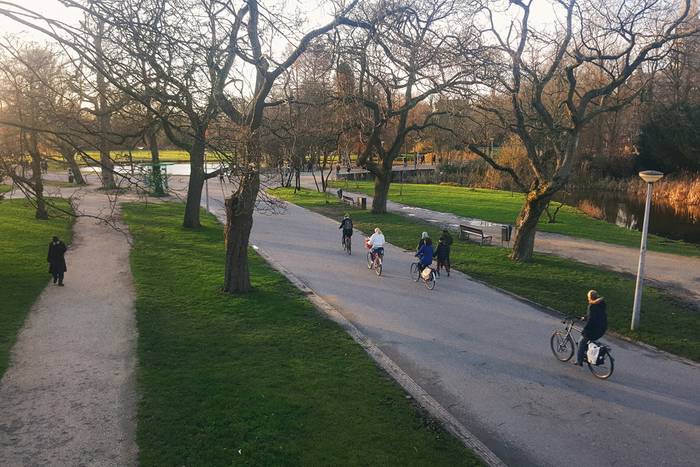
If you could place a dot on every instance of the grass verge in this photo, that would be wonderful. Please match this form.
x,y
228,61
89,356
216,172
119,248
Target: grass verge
x,y
504,206
555,282
260,379
5,188
23,268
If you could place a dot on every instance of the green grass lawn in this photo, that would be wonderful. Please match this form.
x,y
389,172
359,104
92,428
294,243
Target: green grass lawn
x,y
261,379
555,282
166,155
504,206
24,242
5,188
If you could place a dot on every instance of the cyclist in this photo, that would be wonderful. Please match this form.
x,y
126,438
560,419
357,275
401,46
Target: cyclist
x,y
425,254
376,243
346,225
596,324
421,242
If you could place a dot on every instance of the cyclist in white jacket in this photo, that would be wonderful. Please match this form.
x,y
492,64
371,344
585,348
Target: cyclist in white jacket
x,y
376,242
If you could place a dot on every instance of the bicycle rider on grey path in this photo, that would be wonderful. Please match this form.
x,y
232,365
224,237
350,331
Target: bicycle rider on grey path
x,y
346,225
425,254
596,324
376,243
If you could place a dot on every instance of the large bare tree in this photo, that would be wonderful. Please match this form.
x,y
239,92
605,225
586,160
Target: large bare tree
x,y
404,60
248,27
546,71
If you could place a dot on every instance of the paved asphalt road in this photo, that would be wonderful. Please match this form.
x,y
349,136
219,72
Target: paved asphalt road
x,y
485,356
678,274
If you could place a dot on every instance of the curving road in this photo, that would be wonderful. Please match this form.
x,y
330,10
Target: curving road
x,y
485,357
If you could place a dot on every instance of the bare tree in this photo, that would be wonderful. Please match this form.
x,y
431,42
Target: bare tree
x,y
23,69
389,70
544,73
247,36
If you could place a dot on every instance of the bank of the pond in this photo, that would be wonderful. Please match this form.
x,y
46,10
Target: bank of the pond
x,y
503,207
260,379
24,242
551,281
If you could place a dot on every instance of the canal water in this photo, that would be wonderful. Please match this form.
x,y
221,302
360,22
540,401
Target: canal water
x,y
628,212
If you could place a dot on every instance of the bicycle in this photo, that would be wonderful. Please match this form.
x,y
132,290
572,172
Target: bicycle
x,y
374,261
416,275
347,244
563,348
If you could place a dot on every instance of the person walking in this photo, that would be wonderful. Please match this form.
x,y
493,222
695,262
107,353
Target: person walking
x,y
56,260
442,253
596,324
447,239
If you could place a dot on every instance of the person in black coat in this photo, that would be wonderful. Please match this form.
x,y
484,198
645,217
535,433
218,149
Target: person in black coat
x,y
442,252
596,324
56,260
446,238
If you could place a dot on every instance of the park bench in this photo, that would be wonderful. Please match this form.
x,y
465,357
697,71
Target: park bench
x,y
360,202
465,231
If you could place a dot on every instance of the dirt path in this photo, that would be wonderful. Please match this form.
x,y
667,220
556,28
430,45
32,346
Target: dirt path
x,y
69,396
680,274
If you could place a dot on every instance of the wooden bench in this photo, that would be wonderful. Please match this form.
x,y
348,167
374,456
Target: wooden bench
x,y
465,231
360,202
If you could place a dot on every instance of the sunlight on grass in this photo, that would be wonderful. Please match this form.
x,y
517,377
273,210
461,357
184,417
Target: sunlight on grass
x,y
260,379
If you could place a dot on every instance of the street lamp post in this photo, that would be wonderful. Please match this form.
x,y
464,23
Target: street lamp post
x,y
649,176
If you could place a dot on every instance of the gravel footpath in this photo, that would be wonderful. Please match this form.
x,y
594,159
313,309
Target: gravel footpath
x,y
69,396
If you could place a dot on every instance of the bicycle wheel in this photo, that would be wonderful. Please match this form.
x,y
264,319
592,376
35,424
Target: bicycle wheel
x,y
605,369
348,245
562,346
378,266
415,272
370,263
430,283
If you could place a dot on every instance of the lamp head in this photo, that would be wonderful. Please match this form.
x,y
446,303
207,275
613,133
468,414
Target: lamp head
x,y
651,176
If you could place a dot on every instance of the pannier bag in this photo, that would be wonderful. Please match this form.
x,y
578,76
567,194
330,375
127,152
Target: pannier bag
x,y
592,353
426,273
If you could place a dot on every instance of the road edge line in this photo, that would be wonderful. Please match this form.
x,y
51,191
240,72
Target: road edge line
x,y
420,395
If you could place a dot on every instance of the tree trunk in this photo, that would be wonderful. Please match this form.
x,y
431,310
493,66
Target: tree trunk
x,y
104,116
381,192
156,172
194,187
239,221
69,156
38,183
526,225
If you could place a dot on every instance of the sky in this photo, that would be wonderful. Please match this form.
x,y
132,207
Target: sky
x,y
55,10
314,10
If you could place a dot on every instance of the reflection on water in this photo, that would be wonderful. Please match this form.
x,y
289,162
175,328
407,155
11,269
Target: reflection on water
x,y
627,212
172,169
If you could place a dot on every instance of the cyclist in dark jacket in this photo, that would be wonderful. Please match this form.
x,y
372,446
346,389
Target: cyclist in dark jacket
x,y
596,324
346,225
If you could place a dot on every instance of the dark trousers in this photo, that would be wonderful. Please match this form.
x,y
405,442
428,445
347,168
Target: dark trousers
x,y
57,276
582,349
443,263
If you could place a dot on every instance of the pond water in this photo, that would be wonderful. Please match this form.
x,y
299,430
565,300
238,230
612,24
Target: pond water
x,y
629,213
172,168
